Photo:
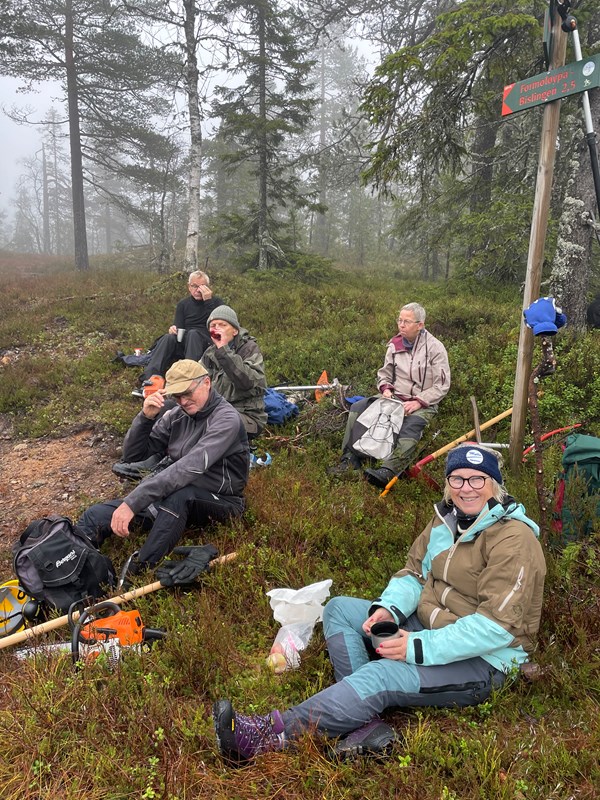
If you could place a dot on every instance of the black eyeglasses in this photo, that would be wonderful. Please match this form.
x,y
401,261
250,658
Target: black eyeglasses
x,y
475,481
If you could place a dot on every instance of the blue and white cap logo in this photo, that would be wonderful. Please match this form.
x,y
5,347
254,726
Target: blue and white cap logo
x,y
474,457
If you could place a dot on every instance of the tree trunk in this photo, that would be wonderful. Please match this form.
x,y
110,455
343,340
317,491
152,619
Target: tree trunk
x,y
79,229
482,164
107,229
58,249
263,231
193,226
570,274
482,169
321,221
45,205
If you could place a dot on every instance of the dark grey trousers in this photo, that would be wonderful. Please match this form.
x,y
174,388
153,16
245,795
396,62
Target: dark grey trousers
x,y
168,350
166,521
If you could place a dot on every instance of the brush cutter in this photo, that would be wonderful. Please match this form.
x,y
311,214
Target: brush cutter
x,y
416,470
566,430
320,388
13,599
53,624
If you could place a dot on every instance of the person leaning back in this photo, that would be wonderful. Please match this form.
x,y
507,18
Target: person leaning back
x,y
415,371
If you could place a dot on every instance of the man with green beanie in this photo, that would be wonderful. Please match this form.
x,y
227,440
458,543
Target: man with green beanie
x,y
236,368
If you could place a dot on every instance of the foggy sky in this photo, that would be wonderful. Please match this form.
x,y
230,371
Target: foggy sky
x,y
19,141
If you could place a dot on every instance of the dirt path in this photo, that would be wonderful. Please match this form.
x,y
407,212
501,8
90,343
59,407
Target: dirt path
x,y
51,476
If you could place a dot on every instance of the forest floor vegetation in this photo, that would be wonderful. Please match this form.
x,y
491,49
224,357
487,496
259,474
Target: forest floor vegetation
x,y
144,730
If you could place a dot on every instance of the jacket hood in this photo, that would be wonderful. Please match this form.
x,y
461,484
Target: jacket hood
x,y
509,509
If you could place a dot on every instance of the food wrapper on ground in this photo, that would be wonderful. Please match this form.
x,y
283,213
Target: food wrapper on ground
x,y
298,611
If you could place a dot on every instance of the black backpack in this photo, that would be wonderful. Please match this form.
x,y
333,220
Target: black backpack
x,y
57,564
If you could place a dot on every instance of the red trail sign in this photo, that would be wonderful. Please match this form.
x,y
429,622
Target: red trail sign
x,y
581,76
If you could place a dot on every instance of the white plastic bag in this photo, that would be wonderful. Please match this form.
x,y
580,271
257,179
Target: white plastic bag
x,y
382,420
298,611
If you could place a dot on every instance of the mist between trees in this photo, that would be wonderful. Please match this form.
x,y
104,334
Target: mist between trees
x,y
287,147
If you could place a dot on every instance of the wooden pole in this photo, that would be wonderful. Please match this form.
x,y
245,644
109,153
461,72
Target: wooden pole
x,y
535,257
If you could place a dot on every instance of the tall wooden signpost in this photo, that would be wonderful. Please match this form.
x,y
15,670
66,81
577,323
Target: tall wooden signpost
x,y
517,97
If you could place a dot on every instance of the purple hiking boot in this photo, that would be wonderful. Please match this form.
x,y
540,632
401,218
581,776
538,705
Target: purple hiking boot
x,y
376,738
242,737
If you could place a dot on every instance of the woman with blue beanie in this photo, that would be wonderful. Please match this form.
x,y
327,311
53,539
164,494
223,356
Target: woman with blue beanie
x,y
467,605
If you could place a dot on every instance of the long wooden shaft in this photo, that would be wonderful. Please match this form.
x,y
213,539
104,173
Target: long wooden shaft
x,y
467,436
414,471
535,254
58,622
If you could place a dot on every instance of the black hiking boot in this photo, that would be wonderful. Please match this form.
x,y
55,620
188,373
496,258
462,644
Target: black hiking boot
x,y
376,738
348,463
379,477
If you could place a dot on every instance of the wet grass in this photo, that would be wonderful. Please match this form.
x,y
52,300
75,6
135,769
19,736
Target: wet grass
x,y
144,731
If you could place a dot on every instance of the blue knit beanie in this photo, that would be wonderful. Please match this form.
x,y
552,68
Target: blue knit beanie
x,y
472,456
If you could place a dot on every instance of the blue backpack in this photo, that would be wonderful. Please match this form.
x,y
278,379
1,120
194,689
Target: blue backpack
x,y
278,408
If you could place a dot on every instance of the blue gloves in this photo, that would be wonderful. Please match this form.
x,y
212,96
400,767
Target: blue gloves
x,y
544,317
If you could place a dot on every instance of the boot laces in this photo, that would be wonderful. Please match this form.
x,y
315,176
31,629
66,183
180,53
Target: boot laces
x,y
257,734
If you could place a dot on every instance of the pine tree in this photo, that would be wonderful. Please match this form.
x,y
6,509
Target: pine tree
x,y
433,107
108,76
264,110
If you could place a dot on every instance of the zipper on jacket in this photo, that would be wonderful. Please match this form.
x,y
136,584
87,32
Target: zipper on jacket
x,y
516,588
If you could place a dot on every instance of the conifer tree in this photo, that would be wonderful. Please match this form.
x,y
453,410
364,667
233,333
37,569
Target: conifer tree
x,y
268,104
108,76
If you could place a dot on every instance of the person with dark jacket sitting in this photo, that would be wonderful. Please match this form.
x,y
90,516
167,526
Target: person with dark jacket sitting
x,y
236,368
209,461
187,337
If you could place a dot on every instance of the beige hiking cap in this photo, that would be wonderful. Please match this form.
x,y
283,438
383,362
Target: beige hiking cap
x,y
182,375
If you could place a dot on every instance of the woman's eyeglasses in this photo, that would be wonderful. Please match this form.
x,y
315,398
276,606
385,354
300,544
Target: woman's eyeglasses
x,y
475,481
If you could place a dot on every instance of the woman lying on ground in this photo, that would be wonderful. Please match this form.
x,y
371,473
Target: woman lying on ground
x,y
468,604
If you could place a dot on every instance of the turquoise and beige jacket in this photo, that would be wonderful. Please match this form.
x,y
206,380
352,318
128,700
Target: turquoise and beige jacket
x,y
476,594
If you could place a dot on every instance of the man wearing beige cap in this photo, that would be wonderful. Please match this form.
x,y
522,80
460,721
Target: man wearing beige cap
x,y
204,443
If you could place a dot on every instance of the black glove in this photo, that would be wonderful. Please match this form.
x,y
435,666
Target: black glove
x,y
179,573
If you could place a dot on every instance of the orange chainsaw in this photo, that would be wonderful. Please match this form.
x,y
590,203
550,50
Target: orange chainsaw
x,y
106,628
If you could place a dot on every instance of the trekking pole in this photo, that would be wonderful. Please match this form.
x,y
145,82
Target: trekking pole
x,y
569,25
58,622
317,386
413,472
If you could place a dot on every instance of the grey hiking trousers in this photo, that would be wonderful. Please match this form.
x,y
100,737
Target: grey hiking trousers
x,y
367,684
